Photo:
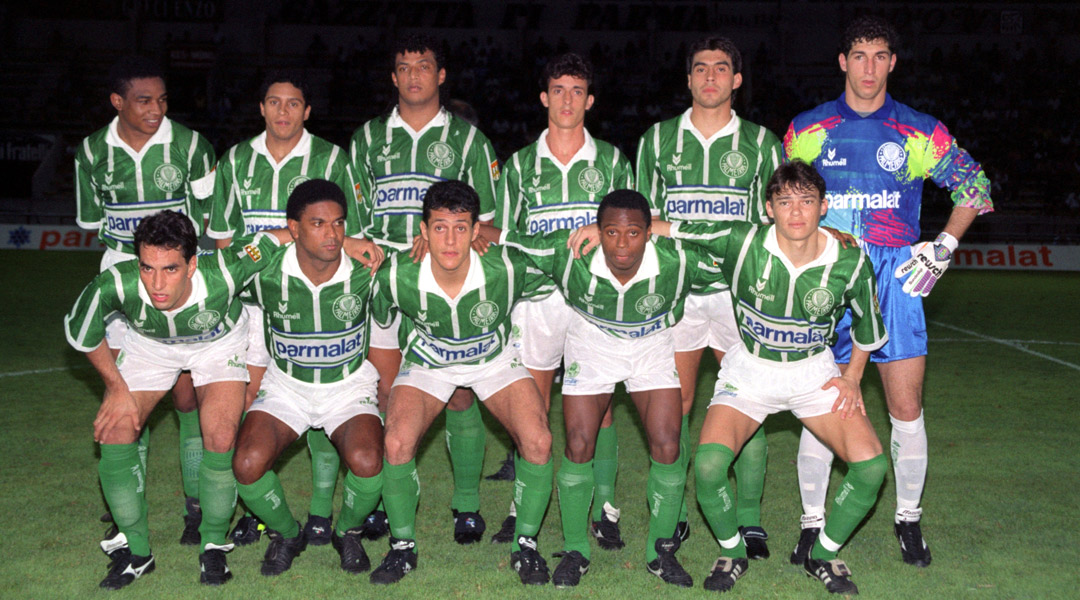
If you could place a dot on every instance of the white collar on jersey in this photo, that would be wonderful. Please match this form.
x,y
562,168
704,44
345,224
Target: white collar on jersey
x,y
649,267
586,152
726,130
303,147
473,280
441,118
162,136
291,267
829,255
198,289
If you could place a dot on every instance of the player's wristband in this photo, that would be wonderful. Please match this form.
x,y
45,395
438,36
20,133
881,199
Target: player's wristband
x,y
944,246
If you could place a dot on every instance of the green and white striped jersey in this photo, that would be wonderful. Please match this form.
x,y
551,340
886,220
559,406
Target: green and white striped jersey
x,y
784,313
210,311
251,190
115,187
650,302
469,329
397,165
315,333
538,194
689,178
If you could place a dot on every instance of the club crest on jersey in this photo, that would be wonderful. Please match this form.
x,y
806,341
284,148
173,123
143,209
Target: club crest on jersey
x,y
484,313
649,304
591,180
254,252
295,182
494,170
204,320
168,177
819,301
440,154
890,156
347,307
734,164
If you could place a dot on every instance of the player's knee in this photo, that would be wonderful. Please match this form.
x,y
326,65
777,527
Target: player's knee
x,y
711,464
536,447
460,401
121,433
364,461
871,473
398,450
249,465
664,450
905,411
220,438
580,446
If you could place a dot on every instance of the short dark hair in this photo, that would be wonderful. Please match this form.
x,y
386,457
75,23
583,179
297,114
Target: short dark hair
x,y
311,192
722,44
625,199
167,229
869,28
454,196
418,43
132,66
567,64
795,175
296,78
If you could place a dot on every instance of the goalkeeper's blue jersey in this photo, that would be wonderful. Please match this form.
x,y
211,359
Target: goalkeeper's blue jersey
x,y
874,167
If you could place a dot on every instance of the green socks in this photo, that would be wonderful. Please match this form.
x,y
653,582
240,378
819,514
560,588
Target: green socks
x,y
684,458
575,483
266,499
664,492
750,480
217,497
715,497
605,466
144,445
123,482
532,492
465,436
401,493
359,498
854,499
324,472
191,451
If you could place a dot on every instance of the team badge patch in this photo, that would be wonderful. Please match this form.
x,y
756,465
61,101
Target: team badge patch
x,y
484,313
734,164
253,252
295,181
168,177
347,307
495,170
204,321
573,369
819,301
649,304
591,180
440,154
890,156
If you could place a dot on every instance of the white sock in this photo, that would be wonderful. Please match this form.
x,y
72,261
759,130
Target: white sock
x,y
909,465
814,466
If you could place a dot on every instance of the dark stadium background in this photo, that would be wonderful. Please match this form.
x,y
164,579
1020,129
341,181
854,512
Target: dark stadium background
x,y
1001,75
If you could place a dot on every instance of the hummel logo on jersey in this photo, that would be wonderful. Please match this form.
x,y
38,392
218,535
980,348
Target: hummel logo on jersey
x,y
676,158
108,177
385,150
422,315
536,180
247,183
760,285
587,297
139,323
282,306
830,160
675,165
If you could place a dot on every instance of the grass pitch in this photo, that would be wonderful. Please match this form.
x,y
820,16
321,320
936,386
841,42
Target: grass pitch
x,y
1001,408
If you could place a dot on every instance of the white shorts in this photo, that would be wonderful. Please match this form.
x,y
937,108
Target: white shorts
x,y
147,364
257,354
116,326
708,321
758,388
540,331
386,338
485,380
596,361
304,406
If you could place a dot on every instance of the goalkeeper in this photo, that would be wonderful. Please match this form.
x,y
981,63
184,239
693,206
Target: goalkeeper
x,y
874,154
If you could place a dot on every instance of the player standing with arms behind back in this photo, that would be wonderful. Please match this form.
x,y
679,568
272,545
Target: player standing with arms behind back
x,y
874,154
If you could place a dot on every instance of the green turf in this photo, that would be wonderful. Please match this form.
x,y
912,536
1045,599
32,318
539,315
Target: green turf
x,y
1000,504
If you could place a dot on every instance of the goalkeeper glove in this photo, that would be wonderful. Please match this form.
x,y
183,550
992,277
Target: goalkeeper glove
x,y
928,263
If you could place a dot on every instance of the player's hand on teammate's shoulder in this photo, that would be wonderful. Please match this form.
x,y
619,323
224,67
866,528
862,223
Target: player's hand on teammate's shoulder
x,y
846,239
849,399
367,252
588,235
419,249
